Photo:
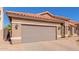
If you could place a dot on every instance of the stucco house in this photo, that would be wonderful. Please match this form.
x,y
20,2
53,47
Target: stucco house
x,y
40,27
35,27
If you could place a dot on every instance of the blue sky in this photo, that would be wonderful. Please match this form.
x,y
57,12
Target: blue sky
x,y
69,12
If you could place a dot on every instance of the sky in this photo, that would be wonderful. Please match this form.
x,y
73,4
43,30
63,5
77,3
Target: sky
x,y
69,12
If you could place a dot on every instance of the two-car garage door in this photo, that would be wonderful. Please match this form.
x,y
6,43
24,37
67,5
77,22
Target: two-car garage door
x,y
33,33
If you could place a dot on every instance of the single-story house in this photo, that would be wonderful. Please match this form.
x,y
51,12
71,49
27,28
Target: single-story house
x,y
40,27
35,27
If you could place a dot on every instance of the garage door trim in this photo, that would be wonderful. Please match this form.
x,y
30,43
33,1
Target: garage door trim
x,y
38,25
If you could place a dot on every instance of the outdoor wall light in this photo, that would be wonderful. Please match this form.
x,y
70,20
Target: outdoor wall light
x,y
59,28
16,26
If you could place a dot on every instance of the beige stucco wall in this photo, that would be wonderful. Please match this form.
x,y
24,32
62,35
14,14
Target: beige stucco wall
x,y
1,24
17,33
66,28
74,34
67,32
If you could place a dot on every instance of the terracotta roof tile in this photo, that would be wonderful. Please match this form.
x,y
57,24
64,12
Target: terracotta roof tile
x,y
73,23
37,15
42,17
46,12
54,16
32,15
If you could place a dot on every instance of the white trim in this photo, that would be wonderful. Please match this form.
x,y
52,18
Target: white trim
x,y
15,38
37,23
74,34
67,35
58,35
17,22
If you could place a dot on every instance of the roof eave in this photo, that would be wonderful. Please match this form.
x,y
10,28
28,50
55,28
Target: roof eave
x,y
32,18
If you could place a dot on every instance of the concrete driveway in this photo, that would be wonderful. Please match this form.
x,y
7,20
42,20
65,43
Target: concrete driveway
x,y
65,44
68,44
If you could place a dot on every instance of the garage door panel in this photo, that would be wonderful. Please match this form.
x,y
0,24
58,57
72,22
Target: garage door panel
x,y
38,33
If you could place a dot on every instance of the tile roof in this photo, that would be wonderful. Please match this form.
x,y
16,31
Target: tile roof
x,y
27,14
46,12
73,23
34,16
54,16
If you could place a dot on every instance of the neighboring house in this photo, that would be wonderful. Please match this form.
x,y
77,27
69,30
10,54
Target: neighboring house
x,y
39,27
77,28
71,28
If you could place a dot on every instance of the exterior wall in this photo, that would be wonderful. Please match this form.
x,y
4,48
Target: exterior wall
x,y
1,24
67,32
59,31
17,33
63,30
70,32
74,31
77,30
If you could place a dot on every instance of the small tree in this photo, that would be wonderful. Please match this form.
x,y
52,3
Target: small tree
x,y
9,27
